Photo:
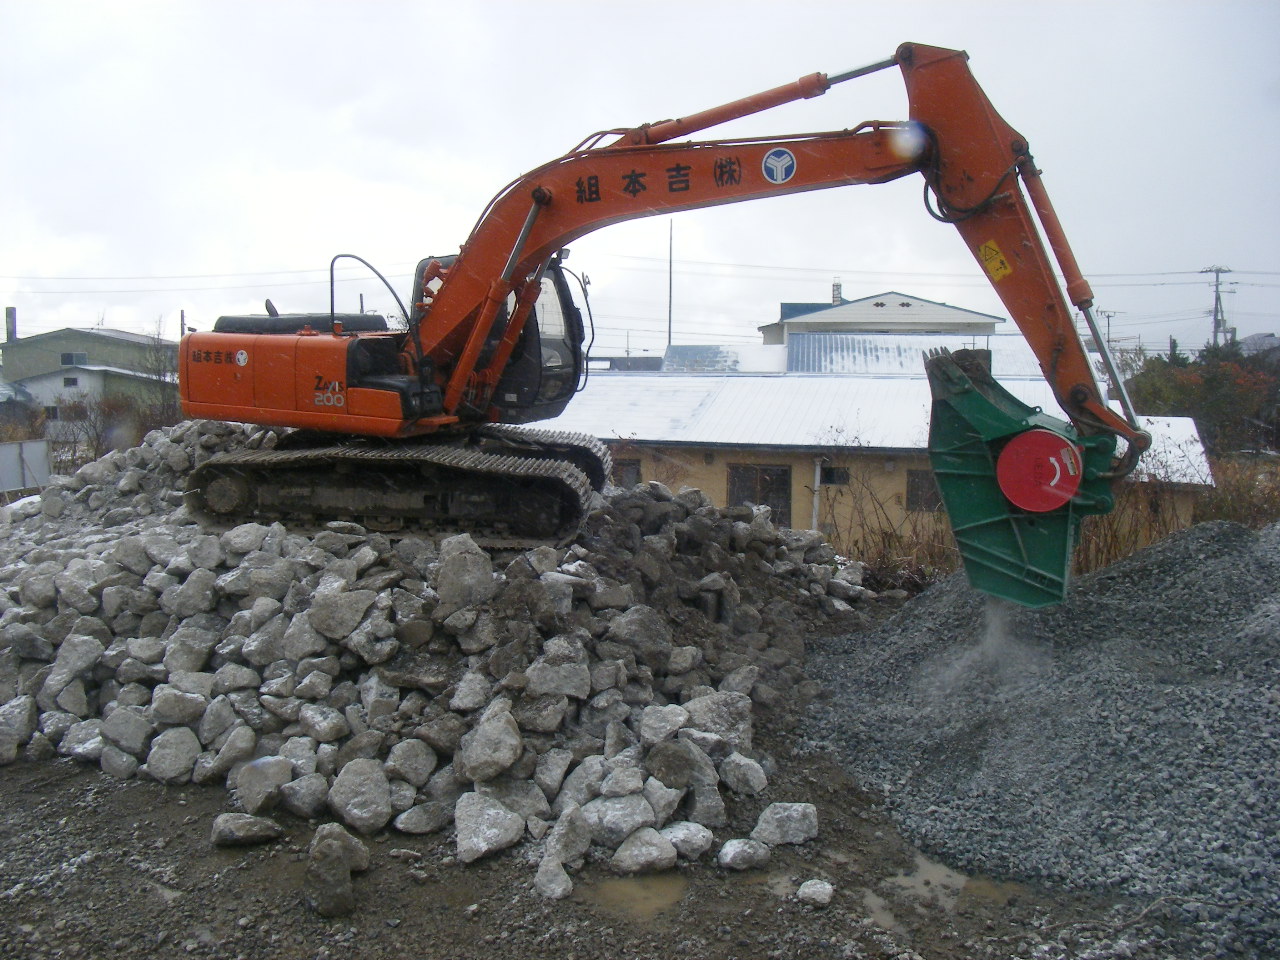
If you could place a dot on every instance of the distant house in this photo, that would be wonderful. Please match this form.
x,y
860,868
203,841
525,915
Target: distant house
x,y
1258,344
71,366
97,389
828,424
888,312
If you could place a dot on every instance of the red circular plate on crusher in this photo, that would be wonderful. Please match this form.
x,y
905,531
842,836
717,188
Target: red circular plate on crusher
x,y
1039,470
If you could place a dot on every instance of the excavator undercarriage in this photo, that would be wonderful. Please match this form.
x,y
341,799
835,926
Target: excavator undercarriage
x,y
509,487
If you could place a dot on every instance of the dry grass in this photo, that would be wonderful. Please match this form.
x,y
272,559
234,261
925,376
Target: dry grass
x,y
1246,490
909,554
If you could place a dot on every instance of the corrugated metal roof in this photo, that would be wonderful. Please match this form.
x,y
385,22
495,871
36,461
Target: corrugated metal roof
x,y
811,412
138,338
901,354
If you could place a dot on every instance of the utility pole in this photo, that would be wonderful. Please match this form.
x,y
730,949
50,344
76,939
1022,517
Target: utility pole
x,y
671,267
1109,314
1219,321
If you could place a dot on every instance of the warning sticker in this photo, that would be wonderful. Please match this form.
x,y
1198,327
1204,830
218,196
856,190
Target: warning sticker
x,y
993,261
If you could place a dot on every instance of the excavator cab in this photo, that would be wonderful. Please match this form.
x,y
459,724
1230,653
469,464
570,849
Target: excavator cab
x,y
548,364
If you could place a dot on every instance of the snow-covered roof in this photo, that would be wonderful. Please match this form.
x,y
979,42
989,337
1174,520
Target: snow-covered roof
x,y
737,358
813,411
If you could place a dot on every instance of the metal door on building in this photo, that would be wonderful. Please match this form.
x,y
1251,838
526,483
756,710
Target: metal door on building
x,y
766,485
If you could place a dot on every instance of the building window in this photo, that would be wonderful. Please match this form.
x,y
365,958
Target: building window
x,y
51,413
764,485
835,477
922,492
74,359
71,381
626,473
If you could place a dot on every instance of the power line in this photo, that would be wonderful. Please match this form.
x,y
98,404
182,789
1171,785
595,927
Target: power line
x,y
661,263
240,286
197,276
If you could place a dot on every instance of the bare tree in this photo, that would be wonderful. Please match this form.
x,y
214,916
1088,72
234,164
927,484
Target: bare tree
x,y
160,406
89,426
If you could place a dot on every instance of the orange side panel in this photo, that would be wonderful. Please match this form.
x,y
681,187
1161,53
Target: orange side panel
x,y
318,374
361,402
286,381
214,369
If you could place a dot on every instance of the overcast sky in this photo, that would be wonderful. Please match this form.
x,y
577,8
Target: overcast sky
x,y
202,156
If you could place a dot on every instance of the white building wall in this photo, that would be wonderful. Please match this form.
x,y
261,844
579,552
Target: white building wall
x,y
49,388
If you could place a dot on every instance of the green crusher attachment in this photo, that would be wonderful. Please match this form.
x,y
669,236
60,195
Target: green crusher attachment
x,y
1015,482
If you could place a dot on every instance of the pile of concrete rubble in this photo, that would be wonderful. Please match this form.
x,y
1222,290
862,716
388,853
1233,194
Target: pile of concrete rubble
x,y
595,700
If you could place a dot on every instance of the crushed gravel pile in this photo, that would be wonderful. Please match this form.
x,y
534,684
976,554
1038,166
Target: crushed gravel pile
x,y
1127,740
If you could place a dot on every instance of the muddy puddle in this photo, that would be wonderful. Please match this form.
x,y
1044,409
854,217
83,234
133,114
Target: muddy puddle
x,y
641,897
930,884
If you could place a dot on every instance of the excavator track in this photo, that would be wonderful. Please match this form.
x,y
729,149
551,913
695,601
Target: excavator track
x,y
508,487
584,451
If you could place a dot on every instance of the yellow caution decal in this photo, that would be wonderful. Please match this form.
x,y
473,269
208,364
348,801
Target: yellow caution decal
x,y
994,262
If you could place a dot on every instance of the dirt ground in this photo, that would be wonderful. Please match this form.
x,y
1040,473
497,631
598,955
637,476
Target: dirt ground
x,y
92,867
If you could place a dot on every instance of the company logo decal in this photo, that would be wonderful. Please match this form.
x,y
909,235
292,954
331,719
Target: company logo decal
x,y
779,165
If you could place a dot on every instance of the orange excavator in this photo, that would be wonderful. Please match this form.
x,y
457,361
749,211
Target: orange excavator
x,y
415,423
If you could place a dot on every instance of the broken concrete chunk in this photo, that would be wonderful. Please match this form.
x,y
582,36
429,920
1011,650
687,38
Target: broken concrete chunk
x,y
743,775
172,756
361,796
644,851
551,880
484,826
328,886
258,783
242,829
816,893
743,854
786,823
612,819
691,840
429,817
490,748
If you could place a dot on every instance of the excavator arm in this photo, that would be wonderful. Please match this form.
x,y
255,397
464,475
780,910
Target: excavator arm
x,y
1016,482
972,161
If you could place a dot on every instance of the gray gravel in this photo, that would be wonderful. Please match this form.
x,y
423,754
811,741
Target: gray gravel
x,y
1126,740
